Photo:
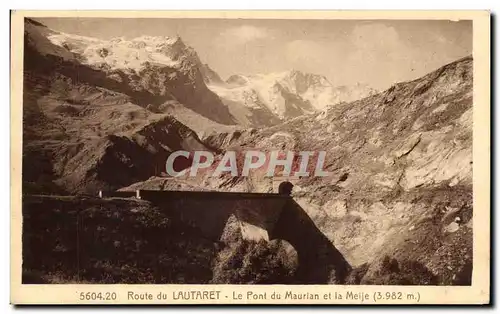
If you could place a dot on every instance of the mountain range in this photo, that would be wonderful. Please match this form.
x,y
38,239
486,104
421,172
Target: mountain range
x,y
85,94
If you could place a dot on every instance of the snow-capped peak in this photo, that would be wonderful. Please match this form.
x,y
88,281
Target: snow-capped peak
x,y
279,91
311,88
122,53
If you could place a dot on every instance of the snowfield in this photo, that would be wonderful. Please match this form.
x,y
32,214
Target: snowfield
x,y
120,53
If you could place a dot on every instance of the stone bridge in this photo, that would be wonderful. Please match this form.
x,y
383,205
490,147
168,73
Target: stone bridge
x,y
266,216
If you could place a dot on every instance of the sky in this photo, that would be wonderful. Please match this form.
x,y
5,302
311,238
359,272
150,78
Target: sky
x,y
378,53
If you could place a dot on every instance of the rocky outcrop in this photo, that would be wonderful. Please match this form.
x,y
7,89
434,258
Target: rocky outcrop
x,y
109,162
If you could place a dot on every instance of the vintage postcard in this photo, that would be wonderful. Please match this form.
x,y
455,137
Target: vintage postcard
x,y
239,157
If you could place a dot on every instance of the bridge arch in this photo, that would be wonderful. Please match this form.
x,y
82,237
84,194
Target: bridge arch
x,y
261,216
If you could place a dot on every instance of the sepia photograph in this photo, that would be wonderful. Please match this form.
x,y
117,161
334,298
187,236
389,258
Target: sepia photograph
x,y
247,151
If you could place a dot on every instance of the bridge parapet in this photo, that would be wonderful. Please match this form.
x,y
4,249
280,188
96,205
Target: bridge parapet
x,y
256,212
124,194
